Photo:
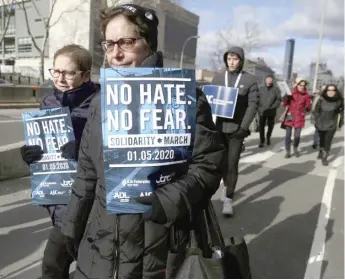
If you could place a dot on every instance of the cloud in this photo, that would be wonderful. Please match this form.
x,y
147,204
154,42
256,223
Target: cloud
x,y
270,42
306,22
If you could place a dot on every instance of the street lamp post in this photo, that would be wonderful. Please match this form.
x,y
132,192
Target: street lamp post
x,y
320,45
184,45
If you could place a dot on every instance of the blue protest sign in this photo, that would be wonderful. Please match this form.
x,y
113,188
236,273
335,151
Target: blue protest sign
x,y
148,123
222,100
51,177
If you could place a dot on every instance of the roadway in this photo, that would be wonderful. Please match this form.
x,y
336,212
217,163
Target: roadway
x,y
290,211
11,125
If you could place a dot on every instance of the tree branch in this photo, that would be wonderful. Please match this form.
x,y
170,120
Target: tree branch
x,y
9,9
38,12
76,8
28,28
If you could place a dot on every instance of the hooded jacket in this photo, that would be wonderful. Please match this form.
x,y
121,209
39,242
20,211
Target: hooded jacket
x,y
248,95
78,101
126,244
270,99
327,111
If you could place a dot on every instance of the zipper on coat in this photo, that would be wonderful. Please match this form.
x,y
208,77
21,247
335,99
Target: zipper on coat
x,y
117,249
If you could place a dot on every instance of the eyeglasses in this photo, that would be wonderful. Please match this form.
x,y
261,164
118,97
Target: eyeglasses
x,y
331,89
68,75
124,44
302,85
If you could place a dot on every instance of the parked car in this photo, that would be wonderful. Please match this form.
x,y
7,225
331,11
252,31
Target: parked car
x,y
4,83
45,84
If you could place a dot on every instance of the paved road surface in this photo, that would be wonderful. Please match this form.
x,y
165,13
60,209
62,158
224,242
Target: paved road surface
x,y
11,125
291,212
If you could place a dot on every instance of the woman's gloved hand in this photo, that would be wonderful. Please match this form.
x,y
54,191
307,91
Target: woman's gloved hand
x,y
31,154
69,150
157,213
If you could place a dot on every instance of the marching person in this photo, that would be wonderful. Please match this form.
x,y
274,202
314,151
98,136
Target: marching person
x,y
316,97
270,100
135,245
235,130
72,88
328,116
298,104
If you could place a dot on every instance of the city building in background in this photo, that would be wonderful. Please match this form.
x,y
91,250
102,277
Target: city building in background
x,y
71,22
258,68
7,47
324,76
77,21
288,59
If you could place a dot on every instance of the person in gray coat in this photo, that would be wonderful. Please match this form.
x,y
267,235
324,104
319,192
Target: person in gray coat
x,y
235,130
270,100
136,245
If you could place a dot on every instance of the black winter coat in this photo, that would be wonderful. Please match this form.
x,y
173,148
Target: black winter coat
x,y
126,244
326,112
78,100
247,101
270,100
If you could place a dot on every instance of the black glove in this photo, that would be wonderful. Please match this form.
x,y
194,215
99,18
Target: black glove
x,y
72,246
69,150
31,154
287,97
157,213
241,133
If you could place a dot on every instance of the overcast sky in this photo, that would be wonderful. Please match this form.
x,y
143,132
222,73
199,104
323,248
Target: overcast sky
x,y
275,21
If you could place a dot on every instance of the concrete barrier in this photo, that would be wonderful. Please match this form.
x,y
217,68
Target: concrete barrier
x,y
17,94
42,92
11,162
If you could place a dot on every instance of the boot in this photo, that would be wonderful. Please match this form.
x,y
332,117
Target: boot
x,y
268,141
319,156
324,158
288,154
261,145
296,152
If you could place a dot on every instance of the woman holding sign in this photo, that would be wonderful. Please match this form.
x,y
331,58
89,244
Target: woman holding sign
x,y
297,104
73,89
136,245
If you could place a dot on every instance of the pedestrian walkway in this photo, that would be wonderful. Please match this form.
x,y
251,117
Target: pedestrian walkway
x,y
291,225
291,211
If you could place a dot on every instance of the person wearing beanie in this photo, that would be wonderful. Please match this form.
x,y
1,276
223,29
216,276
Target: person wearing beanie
x,y
298,104
235,130
270,100
127,246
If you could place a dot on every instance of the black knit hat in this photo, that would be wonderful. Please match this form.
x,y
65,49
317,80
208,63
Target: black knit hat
x,y
149,17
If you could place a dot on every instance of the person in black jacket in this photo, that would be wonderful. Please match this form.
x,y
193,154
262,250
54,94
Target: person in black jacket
x,y
235,130
328,115
136,245
73,89
270,100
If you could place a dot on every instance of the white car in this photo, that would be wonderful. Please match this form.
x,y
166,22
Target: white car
x,y
4,83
